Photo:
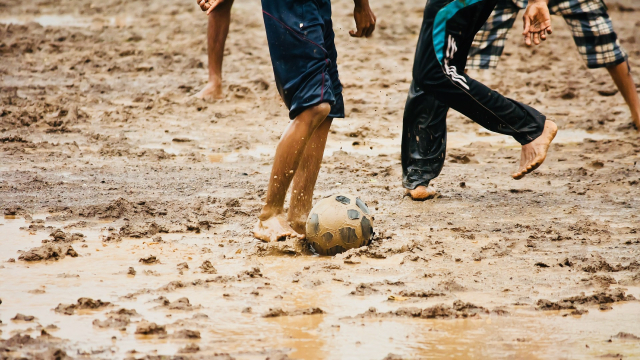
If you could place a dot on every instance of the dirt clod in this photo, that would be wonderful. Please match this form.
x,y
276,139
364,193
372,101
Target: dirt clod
x,y
277,312
48,252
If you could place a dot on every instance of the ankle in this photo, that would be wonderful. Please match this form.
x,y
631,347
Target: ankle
x,y
215,80
269,211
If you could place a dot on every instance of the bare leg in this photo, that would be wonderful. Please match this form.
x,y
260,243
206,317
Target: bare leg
x,y
534,153
421,193
305,179
272,224
624,81
217,31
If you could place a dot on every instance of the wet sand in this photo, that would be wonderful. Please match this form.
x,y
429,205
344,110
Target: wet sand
x,y
99,136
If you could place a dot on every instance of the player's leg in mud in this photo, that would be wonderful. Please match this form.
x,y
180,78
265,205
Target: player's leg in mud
x,y
621,74
447,32
272,224
305,178
217,31
424,141
304,57
598,44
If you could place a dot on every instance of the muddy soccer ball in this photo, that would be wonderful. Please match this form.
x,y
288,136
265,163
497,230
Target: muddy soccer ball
x,y
339,223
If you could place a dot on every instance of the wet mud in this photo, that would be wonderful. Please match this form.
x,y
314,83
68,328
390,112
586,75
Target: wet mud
x,y
126,205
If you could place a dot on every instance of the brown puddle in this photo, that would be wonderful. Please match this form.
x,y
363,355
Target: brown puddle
x,y
100,272
377,146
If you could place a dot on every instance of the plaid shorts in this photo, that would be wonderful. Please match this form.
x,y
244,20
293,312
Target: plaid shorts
x,y
588,19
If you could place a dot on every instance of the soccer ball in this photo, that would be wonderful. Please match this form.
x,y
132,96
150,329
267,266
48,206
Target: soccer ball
x,y
339,223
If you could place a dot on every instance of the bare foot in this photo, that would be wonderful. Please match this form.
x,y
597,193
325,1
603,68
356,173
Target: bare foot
x,y
210,92
299,226
636,123
421,193
274,229
534,153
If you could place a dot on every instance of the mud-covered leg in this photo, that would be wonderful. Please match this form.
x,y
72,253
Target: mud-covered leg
x,y
424,142
272,224
305,179
624,82
217,31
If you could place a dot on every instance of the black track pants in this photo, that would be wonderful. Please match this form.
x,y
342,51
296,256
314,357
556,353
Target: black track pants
x,y
439,83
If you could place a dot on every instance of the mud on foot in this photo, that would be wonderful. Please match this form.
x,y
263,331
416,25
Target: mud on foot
x,y
274,228
421,193
210,92
299,226
534,153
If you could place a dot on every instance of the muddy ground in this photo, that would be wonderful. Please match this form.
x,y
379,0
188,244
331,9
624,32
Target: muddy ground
x,y
128,205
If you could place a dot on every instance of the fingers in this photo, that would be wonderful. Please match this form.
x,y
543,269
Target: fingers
x,y
526,24
357,33
368,30
204,5
214,5
536,38
371,29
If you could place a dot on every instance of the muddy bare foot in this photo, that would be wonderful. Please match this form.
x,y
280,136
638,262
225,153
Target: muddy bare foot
x,y
534,153
421,193
211,91
299,226
274,229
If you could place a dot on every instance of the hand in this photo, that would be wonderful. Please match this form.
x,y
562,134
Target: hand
x,y
537,22
208,5
365,19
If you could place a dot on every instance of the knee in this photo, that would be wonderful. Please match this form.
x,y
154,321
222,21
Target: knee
x,y
312,117
320,111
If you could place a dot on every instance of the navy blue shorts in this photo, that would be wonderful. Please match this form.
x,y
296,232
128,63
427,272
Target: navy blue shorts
x,y
303,54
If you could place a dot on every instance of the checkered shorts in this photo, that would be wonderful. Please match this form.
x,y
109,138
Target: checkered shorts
x,y
588,19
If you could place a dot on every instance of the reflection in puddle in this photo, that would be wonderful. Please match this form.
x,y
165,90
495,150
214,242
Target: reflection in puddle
x,y
101,273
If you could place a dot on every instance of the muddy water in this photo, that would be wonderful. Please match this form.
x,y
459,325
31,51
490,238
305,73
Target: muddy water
x,y
525,333
368,147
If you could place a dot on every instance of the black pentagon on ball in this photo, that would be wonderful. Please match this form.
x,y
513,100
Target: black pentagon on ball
x,y
327,237
362,206
353,214
343,199
367,229
315,224
348,235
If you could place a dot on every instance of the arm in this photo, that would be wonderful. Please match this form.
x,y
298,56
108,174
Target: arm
x,y
365,19
537,22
